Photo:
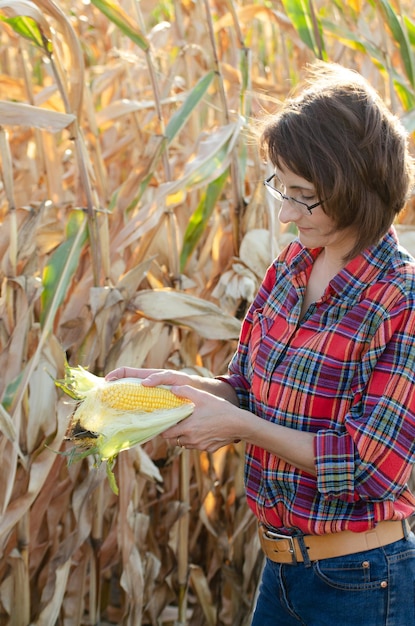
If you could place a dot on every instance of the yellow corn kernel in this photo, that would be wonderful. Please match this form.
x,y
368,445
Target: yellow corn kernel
x,y
130,395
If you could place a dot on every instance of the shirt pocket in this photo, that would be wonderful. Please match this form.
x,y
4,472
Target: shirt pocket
x,y
267,346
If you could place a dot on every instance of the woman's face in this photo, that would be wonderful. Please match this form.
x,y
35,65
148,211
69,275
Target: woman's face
x,y
315,229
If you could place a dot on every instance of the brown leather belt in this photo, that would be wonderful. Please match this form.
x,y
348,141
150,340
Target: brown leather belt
x,y
286,549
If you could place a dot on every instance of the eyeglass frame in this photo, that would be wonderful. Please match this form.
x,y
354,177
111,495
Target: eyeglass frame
x,y
278,195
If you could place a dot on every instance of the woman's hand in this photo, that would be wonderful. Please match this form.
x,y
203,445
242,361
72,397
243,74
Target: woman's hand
x,y
213,423
153,377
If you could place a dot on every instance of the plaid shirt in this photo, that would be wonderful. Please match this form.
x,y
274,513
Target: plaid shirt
x,y
344,372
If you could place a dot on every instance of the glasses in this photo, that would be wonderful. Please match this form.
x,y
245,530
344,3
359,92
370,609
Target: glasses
x,y
277,193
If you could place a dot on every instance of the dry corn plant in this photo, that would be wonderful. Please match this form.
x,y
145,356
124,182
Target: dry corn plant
x,y
135,231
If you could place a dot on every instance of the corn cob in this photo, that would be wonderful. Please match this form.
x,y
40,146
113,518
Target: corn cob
x,y
126,394
115,416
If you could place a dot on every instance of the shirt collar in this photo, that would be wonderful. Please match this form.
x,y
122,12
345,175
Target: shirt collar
x,y
359,272
366,268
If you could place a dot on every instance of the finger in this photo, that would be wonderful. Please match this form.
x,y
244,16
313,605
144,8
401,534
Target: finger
x,y
171,433
116,374
159,377
128,372
152,378
187,391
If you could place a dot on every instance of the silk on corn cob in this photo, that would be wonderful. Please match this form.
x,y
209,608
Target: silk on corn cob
x,y
117,415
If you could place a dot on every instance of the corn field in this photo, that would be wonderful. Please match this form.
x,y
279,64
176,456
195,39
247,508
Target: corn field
x,y
135,231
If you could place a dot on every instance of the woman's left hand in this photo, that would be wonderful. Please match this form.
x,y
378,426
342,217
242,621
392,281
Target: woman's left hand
x,y
212,424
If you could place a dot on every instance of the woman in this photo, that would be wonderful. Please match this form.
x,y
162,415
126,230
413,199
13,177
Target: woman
x,y
321,387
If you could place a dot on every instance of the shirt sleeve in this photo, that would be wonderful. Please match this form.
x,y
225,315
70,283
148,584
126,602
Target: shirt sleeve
x,y
372,458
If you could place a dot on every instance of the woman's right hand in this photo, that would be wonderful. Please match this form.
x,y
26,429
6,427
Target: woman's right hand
x,y
172,378
153,377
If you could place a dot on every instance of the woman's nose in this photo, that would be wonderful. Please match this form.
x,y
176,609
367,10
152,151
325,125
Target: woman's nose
x,y
288,212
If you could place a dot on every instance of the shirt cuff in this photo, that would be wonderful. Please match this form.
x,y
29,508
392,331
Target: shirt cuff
x,y
239,385
335,465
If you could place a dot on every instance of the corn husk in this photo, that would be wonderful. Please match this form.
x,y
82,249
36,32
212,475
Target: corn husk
x,y
103,431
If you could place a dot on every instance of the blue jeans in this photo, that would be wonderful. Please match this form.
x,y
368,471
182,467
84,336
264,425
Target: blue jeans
x,y
373,588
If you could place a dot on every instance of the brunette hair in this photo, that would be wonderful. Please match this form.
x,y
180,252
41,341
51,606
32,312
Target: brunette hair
x,y
339,135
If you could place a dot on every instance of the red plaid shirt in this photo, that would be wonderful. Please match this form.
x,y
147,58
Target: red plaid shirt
x,y
346,373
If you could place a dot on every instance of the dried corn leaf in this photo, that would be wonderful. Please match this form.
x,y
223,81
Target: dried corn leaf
x,y
42,393
19,114
73,72
53,607
201,586
178,308
39,470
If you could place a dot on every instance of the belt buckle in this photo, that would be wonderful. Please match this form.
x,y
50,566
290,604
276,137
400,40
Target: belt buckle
x,y
273,536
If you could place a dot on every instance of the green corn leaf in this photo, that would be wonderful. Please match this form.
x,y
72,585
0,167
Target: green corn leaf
x,y
349,38
199,220
180,117
356,42
120,18
405,93
410,29
400,34
60,269
213,156
111,476
306,24
27,28
212,159
205,170
27,21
